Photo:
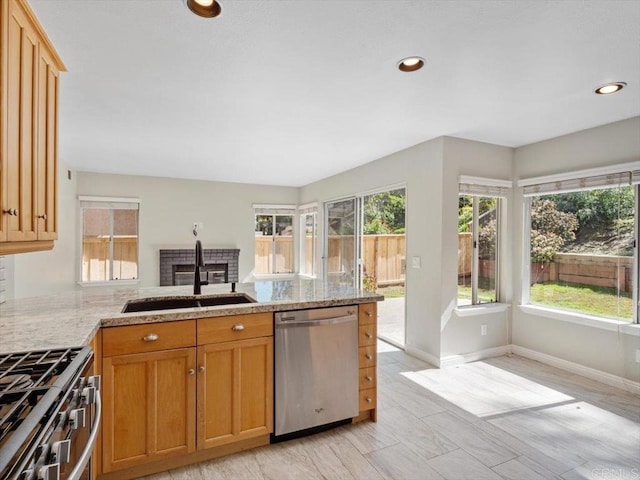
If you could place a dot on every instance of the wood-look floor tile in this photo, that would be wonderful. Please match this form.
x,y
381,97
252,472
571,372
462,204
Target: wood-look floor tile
x,y
398,463
523,469
459,465
473,440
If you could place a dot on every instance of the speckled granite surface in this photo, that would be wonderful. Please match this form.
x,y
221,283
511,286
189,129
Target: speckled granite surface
x,y
71,319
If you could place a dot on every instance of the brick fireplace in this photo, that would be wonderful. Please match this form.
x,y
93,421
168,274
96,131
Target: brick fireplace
x,y
221,264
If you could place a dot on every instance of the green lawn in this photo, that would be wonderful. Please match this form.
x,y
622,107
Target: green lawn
x,y
600,301
484,296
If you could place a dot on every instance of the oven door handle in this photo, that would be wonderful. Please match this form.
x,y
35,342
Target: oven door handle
x,y
77,471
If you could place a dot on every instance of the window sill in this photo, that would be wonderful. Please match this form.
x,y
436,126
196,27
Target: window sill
x,y
109,283
274,276
583,319
481,309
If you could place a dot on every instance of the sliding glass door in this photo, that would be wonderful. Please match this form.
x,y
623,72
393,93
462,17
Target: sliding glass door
x,y
365,246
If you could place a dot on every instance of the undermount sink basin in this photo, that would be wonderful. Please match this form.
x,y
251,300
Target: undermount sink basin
x,y
151,304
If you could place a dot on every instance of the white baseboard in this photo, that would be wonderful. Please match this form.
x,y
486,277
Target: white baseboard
x,y
453,360
592,373
422,355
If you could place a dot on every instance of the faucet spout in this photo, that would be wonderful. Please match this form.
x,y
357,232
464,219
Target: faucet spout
x,y
199,262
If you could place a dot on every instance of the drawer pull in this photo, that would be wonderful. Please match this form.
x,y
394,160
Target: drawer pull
x,y
238,327
368,335
151,337
201,368
368,357
368,379
191,371
369,400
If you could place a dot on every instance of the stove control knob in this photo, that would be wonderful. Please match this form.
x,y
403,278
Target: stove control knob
x,y
62,451
94,381
89,395
77,418
49,472
28,475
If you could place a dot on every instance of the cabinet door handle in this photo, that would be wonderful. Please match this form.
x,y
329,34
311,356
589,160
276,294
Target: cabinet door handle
x,y
369,400
201,368
368,357
369,314
151,337
43,216
368,335
11,211
191,371
238,327
368,379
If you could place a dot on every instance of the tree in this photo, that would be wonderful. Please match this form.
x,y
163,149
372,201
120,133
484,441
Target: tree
x,y
550,229
384,212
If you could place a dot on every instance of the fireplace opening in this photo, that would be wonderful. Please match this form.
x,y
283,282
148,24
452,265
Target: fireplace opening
x,y
211,272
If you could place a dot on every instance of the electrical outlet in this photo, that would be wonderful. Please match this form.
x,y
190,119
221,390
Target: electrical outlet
x,y
483,329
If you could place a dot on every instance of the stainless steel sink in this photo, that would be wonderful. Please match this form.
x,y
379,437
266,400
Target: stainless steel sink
x,y
151,304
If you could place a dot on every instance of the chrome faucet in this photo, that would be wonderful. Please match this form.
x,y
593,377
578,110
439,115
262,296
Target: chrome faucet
x,y
198,263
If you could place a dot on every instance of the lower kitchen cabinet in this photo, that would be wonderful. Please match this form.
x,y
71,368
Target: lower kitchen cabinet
x,y
150,406
235,391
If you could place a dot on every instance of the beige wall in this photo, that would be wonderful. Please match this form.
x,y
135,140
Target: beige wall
x,y
430,171
168,208
611,352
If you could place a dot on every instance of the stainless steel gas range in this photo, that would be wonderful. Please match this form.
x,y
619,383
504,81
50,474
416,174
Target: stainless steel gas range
x,y
49,414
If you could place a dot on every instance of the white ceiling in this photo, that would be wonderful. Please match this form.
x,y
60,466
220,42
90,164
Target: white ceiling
x,y
286,92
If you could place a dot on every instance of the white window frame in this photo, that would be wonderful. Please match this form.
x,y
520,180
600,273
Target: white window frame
x,y
277,210
485,187
304,211
85,201
570,182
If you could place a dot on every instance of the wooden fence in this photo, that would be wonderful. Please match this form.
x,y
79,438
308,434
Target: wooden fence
x,y
383,256
95,258
585,269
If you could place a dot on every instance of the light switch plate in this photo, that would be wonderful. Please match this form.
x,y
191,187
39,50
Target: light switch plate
x,y
416,262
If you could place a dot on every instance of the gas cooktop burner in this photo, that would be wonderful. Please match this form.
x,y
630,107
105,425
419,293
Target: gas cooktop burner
x,y
15,382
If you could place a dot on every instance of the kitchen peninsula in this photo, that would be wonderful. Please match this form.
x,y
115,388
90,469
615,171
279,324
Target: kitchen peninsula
x,y
202,377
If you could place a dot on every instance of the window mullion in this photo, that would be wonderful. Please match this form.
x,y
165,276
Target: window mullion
x,y
475,262
636,264
111,240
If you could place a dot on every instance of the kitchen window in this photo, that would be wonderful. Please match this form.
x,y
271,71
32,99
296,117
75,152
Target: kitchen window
x,y
480,202
109,239
273,234
581,248
308,239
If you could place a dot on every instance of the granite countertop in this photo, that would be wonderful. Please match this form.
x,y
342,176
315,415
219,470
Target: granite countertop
x,y
72,318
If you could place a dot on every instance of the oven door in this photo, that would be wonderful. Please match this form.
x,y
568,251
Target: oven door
x,y
76,433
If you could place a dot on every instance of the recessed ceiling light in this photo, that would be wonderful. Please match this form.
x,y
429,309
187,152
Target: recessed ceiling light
x,y
411,64
608,88
204,8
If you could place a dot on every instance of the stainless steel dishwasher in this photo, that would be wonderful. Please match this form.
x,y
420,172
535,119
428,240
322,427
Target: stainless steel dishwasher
x,y
316,368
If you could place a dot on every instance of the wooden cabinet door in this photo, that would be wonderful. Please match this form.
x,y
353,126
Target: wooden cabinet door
x,y
47,155
149,407
235,391
22,79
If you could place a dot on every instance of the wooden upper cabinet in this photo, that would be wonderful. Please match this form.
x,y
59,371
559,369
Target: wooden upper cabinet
x,y
30,70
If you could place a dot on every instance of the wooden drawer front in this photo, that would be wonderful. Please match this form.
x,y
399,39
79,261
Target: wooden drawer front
x,y
367,378
367,356
367,313
148,337
237,327
367,399
367,335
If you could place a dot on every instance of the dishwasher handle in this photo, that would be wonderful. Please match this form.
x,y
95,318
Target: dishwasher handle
x,y
291,321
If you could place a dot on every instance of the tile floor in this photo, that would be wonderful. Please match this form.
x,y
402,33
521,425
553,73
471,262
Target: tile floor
x,y
502,418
